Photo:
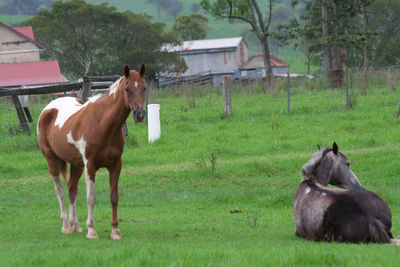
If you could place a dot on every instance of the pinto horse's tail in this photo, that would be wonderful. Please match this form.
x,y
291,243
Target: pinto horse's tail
x,y
63,169
377,233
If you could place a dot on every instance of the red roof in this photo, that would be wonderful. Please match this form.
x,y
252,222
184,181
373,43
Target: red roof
x,y
30,73
275,61
26,31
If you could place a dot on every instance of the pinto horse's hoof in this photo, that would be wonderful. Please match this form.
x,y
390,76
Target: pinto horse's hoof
x,y
76,228
116,235
67,230
92,234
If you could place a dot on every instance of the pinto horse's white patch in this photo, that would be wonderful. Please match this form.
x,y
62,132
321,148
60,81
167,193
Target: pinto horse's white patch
x,y
80,145
114,87
66,107
136,84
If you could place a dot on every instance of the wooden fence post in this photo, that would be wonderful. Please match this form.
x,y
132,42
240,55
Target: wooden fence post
x,y
21,115
226,92
347,87
86,87
288,93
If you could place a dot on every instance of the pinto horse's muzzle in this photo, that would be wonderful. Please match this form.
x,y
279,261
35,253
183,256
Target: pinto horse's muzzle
x,y
139,114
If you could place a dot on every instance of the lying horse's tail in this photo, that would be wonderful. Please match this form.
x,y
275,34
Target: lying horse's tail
x,y
377,233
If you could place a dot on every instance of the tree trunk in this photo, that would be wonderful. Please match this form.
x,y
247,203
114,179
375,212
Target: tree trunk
x,y
337,66
327,49
267,63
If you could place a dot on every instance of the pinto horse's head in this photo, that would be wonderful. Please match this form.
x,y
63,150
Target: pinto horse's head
x,y
329,166
135,91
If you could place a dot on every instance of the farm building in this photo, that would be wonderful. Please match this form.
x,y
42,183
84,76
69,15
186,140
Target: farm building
x,y
20,63
255,68
208,58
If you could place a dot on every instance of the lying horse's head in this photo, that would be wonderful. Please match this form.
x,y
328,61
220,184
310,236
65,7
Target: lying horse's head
x,y
329,166
135,89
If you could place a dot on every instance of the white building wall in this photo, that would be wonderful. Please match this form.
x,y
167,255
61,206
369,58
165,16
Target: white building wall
x,y
10,41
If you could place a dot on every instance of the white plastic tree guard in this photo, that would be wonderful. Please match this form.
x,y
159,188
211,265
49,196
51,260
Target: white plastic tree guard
x,y
153,120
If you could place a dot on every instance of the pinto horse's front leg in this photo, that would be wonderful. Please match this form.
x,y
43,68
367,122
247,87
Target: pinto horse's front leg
x,y
90,172
114,172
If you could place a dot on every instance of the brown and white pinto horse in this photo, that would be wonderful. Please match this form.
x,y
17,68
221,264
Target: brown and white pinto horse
x,y
89,136
347,214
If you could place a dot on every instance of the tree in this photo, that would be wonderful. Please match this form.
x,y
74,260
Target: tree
x,y
384,21
333,26
190,27
25,7
96,39
250,12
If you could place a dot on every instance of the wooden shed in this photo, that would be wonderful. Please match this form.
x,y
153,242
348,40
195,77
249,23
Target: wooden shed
x,y
215,58
255,68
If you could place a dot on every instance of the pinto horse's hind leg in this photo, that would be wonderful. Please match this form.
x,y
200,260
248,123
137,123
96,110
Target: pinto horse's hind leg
x,y
114,172
90,172
59,189
76,172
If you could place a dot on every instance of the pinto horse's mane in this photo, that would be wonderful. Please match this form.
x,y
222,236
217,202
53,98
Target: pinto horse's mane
x,y
114,87
309,168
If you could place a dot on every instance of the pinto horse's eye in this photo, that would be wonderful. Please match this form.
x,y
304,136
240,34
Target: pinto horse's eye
x,y
348,164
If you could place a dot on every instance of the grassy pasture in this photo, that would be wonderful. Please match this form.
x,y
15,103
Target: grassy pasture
x,y
175,212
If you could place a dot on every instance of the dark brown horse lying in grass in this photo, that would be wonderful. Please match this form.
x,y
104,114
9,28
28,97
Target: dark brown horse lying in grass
x,y
346,214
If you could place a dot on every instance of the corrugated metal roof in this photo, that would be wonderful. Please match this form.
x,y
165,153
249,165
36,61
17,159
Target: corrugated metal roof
x,y
30,73
257,61
222,43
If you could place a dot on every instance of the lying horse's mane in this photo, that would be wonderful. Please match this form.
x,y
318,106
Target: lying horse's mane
x,y
309,168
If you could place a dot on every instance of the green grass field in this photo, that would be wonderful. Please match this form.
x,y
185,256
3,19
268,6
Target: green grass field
x,y
175,212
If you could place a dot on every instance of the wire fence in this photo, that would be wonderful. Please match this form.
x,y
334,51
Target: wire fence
x,y
13,138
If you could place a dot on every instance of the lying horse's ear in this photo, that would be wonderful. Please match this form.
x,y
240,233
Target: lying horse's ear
x,y
319,147
126,71
335,148
142,70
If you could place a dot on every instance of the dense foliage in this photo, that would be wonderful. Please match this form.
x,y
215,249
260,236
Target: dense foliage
x,y
96,39
190,27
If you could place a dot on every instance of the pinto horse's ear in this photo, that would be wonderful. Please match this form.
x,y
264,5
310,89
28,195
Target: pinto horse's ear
x,y
335,148
142,70
319,147
126,71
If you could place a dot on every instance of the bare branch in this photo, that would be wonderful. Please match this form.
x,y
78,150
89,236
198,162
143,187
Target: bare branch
x,y
259,15
232,16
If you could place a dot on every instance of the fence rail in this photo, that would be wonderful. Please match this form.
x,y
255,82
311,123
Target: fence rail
x,y
83,87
